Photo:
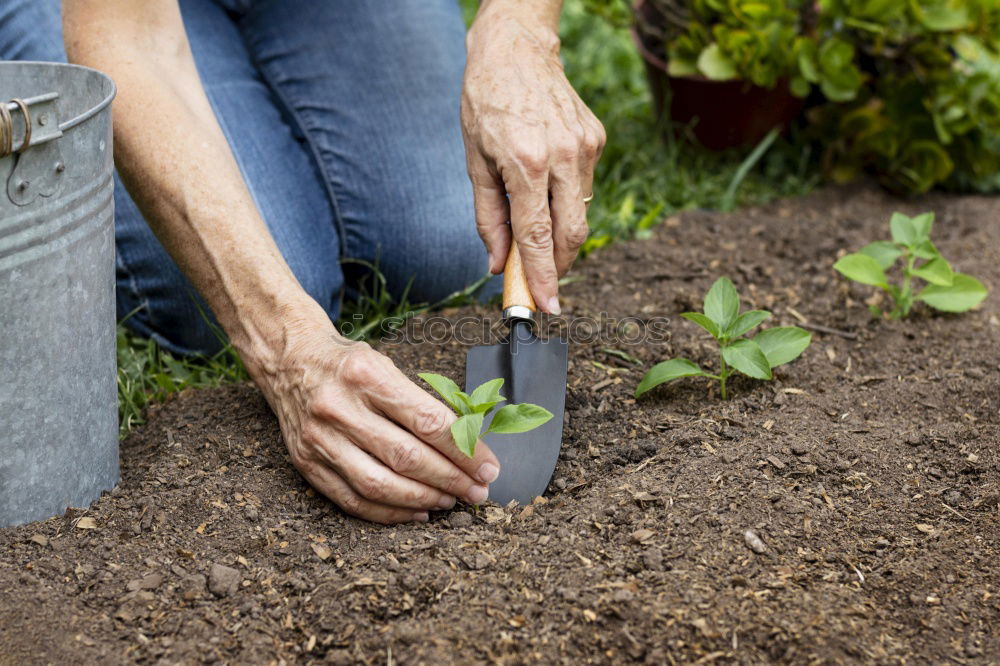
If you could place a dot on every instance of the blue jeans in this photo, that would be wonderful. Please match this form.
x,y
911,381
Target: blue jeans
x,y
343,116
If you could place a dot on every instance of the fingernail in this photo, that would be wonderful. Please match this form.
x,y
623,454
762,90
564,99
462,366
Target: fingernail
x,y
477,494
554,306
446,502
488,472
421,516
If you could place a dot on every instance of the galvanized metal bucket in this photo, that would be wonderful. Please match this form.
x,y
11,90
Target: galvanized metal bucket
x,y
58,396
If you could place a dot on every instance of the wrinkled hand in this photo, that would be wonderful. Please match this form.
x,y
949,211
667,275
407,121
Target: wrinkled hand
x,y
530,136
364,435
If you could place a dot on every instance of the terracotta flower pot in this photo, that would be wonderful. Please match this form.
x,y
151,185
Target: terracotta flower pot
x,y
724,114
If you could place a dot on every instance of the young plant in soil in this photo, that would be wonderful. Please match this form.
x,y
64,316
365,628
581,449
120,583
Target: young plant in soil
x,y
755,357
911,243
473,409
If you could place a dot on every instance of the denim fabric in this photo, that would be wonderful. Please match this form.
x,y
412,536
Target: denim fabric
x,y
343,118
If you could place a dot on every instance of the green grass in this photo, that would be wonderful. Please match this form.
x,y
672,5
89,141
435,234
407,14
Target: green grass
x,y
641,179
147,373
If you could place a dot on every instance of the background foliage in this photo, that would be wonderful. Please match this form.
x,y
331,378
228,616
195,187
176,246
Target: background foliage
x,y
906,89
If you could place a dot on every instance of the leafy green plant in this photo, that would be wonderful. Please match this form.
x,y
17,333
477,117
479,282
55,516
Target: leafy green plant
x,y
929,113
473,409
907,91
755,357
911,244
766,42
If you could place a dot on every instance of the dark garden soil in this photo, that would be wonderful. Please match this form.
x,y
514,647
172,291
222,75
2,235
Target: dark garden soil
x,y
845,513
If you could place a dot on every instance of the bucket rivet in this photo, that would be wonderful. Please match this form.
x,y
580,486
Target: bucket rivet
x,y
60,167
43,119
23,185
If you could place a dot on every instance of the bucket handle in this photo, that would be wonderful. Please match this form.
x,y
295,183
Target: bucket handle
x,y
39,123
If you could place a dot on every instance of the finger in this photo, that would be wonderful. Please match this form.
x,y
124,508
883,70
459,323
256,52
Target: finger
x,y
375,482
591,147
531,223
430,421
569,216
406,455
492,212
326,481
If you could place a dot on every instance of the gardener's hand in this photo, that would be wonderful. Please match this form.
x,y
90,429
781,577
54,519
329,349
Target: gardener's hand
x,y
366,436
530,136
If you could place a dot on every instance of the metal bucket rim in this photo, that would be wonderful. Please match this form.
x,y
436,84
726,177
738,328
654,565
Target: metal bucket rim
x,y
87,114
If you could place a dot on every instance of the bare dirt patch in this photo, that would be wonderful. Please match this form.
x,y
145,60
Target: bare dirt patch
x,y
847,512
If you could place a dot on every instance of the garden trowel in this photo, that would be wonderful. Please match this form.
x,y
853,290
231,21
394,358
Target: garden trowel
x,y
534,371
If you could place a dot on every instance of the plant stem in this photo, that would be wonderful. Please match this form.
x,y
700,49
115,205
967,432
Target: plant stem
x,y
906,294
723,374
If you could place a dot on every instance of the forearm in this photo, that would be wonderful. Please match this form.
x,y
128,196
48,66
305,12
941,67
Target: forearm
x,y
177,165
540,17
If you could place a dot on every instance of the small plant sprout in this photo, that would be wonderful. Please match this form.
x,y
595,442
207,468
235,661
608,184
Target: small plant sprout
x,y
946,290
755,357
473,409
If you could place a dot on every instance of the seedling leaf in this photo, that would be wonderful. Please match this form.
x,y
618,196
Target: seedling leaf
x,y
903,231
964,293
936,271
862,268
472,411
465,431
922,226
925,250
782,344
703,321
722,303
465,402
666,371
487,396
747,357
447,389
511,419
746,321
884,252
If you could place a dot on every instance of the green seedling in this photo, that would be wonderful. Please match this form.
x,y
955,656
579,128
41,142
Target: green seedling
x,y
945,290
755,357
473,409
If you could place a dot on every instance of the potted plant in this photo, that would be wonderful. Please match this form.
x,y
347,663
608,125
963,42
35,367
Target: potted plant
x,y
724,73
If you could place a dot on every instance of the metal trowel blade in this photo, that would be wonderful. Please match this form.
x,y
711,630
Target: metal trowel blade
x,y
534,371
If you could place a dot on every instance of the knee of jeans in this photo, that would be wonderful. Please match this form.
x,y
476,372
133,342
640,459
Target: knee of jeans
x,y
447,258
185,332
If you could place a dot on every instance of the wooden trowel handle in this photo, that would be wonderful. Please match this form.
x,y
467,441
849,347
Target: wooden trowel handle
x,y
515,284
